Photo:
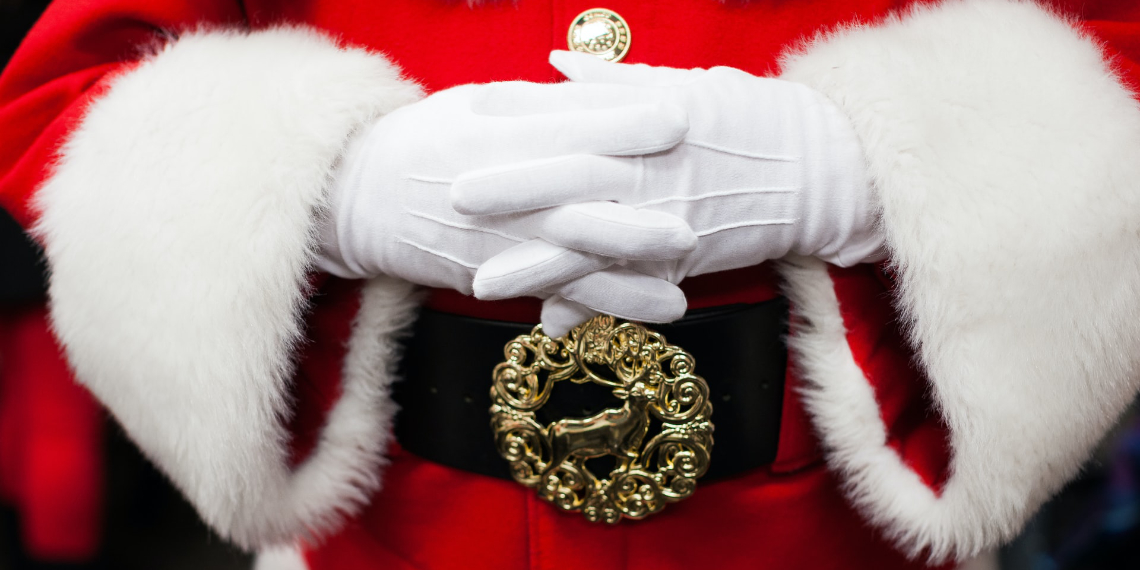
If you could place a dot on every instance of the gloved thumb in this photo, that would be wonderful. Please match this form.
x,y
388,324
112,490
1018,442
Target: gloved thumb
x,y
618,291
585,68
559,315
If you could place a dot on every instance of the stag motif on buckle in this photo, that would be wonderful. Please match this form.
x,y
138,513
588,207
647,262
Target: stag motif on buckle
x,y
656,382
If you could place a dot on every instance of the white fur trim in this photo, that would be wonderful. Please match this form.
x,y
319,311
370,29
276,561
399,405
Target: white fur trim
x,y
179,225
1007,158
286,558
988,560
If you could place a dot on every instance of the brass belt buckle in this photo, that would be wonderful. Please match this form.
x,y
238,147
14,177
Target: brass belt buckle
x,y
656,382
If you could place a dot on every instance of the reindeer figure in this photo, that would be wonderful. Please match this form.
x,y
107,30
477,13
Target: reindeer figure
x,y
616,431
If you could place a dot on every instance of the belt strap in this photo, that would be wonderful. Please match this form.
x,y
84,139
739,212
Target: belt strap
x,y
445,395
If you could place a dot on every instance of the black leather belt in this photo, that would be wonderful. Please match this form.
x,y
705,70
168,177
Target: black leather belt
x,y
444,397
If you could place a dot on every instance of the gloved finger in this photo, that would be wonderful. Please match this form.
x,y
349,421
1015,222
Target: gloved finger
x,y
585,68
531,267
518,98
626,294
641,128
560,315
614,230
543,183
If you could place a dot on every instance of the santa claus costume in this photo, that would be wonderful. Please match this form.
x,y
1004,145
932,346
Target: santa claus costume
x,y
175,159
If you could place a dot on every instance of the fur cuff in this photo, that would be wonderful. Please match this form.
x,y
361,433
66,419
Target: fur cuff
x,y
179,226
1005,153
281,558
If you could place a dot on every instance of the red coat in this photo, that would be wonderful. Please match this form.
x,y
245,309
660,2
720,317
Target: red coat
x,y
51,442
195,143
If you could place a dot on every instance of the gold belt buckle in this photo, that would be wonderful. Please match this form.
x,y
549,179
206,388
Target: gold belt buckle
x,y
656,380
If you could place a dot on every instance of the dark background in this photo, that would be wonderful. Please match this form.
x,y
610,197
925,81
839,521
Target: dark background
x,y
1092,525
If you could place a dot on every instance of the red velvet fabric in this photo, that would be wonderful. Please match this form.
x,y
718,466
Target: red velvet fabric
x,y
915,431
787,516
51,443
436,517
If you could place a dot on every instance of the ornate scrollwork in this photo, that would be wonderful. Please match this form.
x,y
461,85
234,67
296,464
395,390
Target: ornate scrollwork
x,y
656,380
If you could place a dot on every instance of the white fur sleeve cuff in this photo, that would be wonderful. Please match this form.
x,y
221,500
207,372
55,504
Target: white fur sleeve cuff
x,y
1007,157
179,226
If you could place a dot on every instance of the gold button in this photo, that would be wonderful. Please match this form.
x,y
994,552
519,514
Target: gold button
x,y
600,32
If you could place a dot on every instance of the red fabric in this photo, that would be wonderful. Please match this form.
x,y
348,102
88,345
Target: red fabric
x,y
1117,26
914,429
436,517
317,381
51,439
788,516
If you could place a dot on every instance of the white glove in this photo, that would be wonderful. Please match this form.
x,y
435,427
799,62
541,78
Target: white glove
x,y
767,168
390,213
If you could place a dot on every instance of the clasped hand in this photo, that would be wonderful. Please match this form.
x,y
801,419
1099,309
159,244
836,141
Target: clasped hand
x,y
601,194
